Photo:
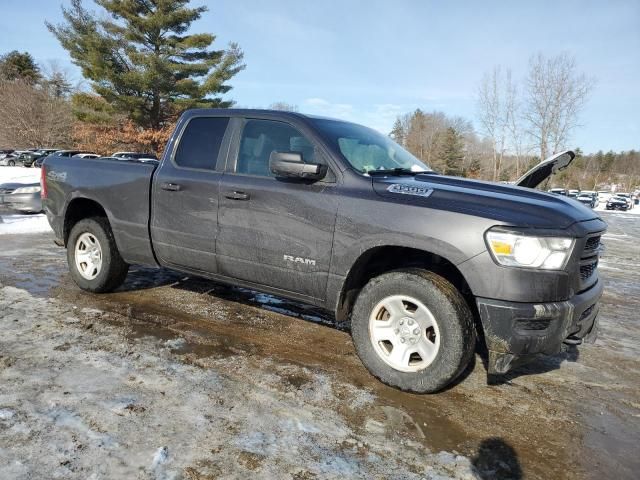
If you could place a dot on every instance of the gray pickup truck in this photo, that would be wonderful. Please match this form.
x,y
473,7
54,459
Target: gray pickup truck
x,y
425,267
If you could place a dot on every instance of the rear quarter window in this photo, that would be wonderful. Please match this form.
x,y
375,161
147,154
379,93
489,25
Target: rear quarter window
x,y
200,142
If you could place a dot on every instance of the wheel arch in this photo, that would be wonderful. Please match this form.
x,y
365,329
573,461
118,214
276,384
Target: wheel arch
x,y
78,209
385,258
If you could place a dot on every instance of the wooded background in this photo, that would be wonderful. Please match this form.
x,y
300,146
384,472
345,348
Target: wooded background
x,y
141,70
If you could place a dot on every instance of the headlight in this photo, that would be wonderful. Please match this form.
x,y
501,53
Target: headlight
x,y
27,190
517,250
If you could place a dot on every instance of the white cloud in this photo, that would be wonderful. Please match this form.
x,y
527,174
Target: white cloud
x,y
320,106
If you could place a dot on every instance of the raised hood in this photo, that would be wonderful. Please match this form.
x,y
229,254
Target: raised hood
x,y
545,169
513,205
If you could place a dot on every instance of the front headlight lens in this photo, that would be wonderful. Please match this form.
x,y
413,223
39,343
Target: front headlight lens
x,y
517,250
27,190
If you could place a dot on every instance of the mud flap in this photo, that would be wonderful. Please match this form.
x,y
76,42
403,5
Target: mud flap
x,y
499,363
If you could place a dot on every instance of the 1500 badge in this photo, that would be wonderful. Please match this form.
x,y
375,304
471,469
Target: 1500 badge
x,y
409,190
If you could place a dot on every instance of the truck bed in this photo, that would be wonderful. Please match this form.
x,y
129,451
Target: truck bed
x,y
122,187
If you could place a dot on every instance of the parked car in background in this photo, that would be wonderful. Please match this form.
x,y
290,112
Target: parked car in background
x,y
573,193
594,194
9,160
617,203
58,153
87,155
21,197
28,158
15,158
588,199
47,151
5,152
137,155
627,197
559,191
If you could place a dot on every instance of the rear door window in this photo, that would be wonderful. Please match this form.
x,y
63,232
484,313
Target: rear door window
x,y
200,143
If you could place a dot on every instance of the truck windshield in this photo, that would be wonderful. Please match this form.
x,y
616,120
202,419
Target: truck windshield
x,y
367,150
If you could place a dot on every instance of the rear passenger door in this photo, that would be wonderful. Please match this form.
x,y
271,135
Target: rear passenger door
x,y
184,214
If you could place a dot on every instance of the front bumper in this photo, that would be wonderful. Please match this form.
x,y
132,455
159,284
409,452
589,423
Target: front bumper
x,y
515,332
22,202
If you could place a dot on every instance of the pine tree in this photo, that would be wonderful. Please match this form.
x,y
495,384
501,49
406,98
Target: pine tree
x,y
397,132
474,170
452,152
19,66
142,61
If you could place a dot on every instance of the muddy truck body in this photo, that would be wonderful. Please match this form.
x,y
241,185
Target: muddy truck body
x,y
425,267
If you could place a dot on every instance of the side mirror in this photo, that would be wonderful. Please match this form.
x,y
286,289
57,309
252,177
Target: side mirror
x,y
290,165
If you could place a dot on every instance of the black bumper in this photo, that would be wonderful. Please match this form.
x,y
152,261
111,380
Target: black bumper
x,y
514,332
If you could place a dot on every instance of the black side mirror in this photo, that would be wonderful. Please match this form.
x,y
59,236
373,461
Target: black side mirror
x,y
290,165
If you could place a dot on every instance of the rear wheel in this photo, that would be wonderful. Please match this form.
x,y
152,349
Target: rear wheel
x,y
93,257
12,163
413,330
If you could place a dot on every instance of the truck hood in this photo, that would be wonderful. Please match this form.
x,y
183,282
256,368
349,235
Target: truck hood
x,y
545,169
508,204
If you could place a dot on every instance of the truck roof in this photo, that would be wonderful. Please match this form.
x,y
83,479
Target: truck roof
x,y
244,112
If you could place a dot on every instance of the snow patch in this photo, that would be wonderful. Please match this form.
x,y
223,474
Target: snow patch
x,y
6,414
160,457
22,224
19,175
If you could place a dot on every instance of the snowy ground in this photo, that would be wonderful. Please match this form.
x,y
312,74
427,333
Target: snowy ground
x,y
81,399
19,175
14,223
179,377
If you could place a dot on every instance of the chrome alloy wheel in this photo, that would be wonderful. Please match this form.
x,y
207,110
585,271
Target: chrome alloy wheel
x,y
404,333
88,256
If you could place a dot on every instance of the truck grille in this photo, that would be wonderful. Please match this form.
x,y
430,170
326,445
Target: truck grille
x,y
588,267
586,271
592,245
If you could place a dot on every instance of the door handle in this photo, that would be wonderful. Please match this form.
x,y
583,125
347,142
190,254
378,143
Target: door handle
x,y
236,195
172,187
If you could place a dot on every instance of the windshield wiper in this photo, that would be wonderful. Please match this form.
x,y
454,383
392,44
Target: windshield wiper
x,y
397,172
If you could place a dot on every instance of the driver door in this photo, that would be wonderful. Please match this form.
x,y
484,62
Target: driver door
x,y
275,232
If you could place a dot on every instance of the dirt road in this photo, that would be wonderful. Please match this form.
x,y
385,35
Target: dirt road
x,y
177,377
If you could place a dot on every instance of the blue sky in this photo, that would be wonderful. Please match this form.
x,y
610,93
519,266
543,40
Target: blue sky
x,y
368,61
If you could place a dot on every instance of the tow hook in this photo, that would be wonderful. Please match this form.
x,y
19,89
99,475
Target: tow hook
x,y
572,340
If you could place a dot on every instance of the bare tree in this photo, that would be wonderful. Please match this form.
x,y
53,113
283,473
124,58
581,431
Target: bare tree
x,y
492,112
287,107
33,116
555,94
513,122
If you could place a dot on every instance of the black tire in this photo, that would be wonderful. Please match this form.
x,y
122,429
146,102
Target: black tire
x,y
452,315
12,163
113,270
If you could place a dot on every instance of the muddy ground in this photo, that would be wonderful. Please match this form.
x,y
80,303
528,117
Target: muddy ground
x,y
178,377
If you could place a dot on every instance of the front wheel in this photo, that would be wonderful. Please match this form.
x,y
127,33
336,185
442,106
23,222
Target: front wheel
x,y
93,257
12,163
413,330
